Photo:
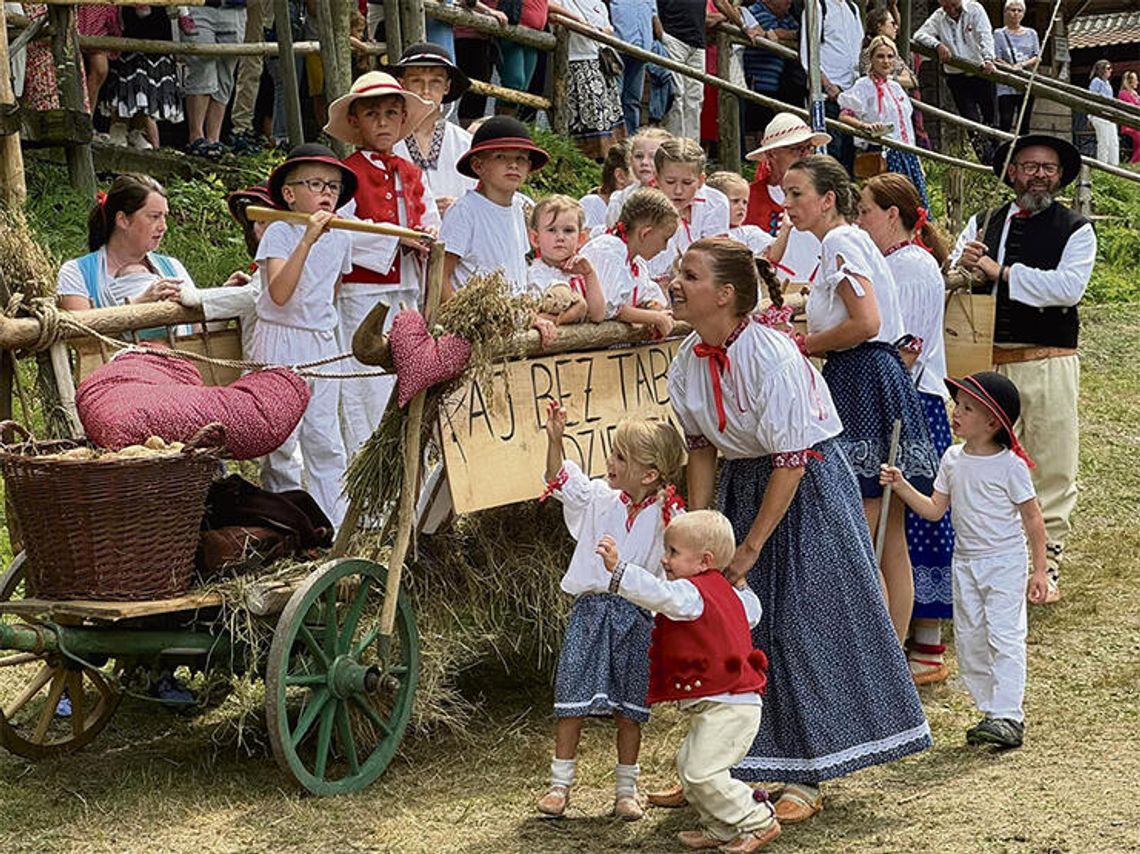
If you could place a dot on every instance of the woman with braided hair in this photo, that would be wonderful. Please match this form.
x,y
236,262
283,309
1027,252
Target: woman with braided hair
x,y
839,696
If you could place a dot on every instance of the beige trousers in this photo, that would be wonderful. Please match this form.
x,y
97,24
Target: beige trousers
x,y
719,737
258,17
1048,429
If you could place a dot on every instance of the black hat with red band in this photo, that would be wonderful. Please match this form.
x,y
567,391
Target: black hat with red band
x,y
497,134
1000,397
239,200
311,152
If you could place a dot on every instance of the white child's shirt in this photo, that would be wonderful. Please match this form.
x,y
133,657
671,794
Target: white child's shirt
x,y
443,179
594,207
592,509
487,237
984,494
921,302
541,276
752,236
847,251
312,305
621,285
708,217
775,401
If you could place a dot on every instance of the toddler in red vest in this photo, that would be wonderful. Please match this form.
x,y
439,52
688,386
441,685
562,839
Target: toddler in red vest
x,y
701,656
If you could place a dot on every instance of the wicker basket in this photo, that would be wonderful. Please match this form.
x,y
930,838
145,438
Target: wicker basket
x,y
115,529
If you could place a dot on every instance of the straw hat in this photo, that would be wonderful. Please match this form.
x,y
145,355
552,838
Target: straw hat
x,y
428,55
376,84
784,130
496,134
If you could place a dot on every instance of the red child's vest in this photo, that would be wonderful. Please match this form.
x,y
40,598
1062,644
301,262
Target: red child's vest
x,y
710,655
377,198
762,210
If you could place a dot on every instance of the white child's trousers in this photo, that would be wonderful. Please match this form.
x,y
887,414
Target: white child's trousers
x,y
989,630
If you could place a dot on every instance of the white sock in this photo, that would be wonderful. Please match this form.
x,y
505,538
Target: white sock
x,y
625,780
929,634
562,772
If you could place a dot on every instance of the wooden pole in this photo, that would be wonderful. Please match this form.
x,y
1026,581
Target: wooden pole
x,y
256,213
288,69
885,505
72,96
1082,196
560,115
125,2
332,25
814,27
393,30
906,20
20,333
192,49
413,453
728,108
413,27
13,189
487,25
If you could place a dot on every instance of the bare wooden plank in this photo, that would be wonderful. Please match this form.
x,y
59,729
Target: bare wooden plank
x,y
89,609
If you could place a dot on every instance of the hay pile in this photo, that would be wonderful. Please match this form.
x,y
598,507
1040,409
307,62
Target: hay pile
x,y
25,266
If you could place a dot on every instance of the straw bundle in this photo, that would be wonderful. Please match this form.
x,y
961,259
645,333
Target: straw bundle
x,y
25,265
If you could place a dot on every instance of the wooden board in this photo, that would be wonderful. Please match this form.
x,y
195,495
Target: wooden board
x,y
498,457
222,344
111,611
968,332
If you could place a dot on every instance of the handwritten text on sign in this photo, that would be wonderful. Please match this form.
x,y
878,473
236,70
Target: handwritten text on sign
x,y
497,458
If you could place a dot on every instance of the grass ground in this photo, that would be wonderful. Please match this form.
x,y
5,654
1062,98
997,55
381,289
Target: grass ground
x,y
158,782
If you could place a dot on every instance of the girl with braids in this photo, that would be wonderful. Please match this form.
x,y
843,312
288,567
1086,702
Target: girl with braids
x,y
914,248
616,175
839,696
603,669
647,222
854,320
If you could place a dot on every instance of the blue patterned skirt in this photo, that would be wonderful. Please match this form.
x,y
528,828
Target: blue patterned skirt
x,y
840,696
931,544
907,164
604,664
871,388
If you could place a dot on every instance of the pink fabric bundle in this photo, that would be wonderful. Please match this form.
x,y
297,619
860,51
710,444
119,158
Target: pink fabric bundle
x,y
423,361
138,395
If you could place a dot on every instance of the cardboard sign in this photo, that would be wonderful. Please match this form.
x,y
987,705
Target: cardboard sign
x,y
499,457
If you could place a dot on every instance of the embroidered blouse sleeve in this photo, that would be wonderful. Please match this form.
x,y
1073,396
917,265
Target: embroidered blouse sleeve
x,y
848,258
857,99
577,493
677,600
786,407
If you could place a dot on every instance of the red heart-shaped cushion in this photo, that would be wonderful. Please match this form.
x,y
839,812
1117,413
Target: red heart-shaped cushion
x,y
422,361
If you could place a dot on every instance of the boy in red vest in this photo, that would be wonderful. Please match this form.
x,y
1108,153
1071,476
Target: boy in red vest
x,y
701,656
374,115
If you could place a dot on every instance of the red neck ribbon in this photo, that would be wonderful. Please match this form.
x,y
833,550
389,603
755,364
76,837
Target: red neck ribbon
x,y
718,364
633,508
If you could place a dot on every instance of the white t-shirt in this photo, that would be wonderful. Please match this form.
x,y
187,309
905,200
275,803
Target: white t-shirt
x,y
592,509
312,305
609,256
752,236
594,206
775,401
921,295
487,237
984,494
70,281
847,251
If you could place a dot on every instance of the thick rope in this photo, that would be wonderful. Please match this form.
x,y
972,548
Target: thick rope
x,y
54,321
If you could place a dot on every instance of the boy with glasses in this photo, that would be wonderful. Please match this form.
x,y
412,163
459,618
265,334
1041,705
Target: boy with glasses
x,y
301,268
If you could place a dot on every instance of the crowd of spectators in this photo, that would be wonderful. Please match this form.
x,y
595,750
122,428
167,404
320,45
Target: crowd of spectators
x,y
210,105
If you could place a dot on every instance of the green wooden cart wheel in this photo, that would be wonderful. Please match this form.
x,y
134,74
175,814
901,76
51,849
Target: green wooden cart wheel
x,y
336,712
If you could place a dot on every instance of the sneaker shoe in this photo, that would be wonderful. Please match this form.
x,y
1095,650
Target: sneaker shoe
x,y
246,142
1002,732
63,706
972,732
170,690
139,140
627,808
554,802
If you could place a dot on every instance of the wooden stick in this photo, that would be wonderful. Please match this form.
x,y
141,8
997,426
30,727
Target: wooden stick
x,y
256,213
502,93
125,2
13,190
884,511
121,43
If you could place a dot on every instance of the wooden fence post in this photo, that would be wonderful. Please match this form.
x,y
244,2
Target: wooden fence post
x,y
728,108
334,24
287,63
559,114
1082,197
65,55
413,27
13,190
393,30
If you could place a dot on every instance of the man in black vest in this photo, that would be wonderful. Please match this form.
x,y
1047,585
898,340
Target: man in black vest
x,y
1037,257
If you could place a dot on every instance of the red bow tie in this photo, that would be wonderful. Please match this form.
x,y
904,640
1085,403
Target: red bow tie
x,y
380,159
1022,214
718,364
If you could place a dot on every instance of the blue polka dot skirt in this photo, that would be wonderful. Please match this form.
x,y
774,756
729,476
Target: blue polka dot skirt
x,y
907,164
871,388
931,544
604,664
840,696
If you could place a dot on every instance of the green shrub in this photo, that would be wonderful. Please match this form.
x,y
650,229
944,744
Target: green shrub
x,y
569,170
